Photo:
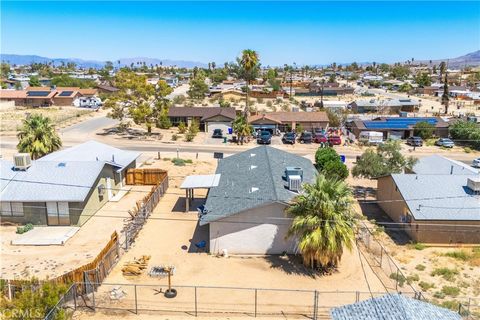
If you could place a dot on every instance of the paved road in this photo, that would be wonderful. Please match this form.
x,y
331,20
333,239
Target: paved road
x,y
88,129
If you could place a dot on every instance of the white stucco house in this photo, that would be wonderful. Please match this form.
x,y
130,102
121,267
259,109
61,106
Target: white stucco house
x,y
246,211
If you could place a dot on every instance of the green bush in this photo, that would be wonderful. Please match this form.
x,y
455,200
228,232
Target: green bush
x,y
413,278
451,304
189,137
182,128
468,133
335,170
446,273
424,130
451,291
459,255
325,155
174,137
420,267
399,278
426,285
181,162
25,228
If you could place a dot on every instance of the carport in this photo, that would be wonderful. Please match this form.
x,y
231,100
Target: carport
x,y
198,182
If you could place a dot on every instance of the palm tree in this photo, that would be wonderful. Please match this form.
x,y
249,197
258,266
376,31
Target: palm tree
x,y
445,95
249,62
241,128
38,137
322,222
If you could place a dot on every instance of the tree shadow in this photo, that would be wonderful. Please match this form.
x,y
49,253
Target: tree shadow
x,y
374,212
292,264
360,192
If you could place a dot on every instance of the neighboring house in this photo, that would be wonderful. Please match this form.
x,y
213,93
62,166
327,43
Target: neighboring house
x,y
397,127
365,105
46,96
246,211
208,118
286,121
329,89
393,307
439,201
65,187
107,89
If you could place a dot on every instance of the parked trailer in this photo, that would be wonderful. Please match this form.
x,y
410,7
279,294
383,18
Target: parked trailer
x,y
371,137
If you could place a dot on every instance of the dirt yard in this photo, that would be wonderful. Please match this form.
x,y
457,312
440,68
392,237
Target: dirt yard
x,y
11,120
21,262
169,237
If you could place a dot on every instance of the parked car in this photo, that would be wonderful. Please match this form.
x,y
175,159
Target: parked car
x,y
264,137
306,137
217,133
334,140
445,142
320,138
415,141
289,138
476,163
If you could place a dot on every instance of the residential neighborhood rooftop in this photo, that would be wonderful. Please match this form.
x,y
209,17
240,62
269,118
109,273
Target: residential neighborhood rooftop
x,y
392,307
253,178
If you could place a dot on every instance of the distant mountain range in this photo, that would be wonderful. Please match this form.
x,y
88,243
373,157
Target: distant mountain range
x,y
470,59
27,59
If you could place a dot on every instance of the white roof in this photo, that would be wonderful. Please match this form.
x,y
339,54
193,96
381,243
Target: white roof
x,y
201,181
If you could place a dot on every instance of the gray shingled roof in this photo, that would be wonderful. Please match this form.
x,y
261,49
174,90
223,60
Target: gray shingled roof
x,y
392,307
261,168
93,151
440,165
438,197
49,181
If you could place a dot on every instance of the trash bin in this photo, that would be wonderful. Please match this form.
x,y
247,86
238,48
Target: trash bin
x,y
230,131
342,157
224,139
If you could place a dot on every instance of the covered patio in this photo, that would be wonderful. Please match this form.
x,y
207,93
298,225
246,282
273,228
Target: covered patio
x,y
197,182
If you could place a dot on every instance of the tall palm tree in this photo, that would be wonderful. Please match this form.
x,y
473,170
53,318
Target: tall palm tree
x,y
249,62
322,222
38,137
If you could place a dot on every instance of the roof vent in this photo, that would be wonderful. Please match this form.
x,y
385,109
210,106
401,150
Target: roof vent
x,y
62,164
253,167
253,189
22,161
473,183
294,183
252,155
296,171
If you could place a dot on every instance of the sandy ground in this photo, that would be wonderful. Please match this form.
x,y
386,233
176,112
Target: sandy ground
x,y
20,262
169,237
10,120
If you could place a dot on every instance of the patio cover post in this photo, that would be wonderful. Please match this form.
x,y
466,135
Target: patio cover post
x,y
186,200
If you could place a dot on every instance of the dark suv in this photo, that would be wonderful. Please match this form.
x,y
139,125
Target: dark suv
x,y
264,137
288,138
306,137
415,141
217,133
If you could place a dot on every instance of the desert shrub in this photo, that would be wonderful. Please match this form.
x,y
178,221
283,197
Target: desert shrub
x,y
451,291
419,246
420,267
269,103
413,278
182,128
426,285
181,162
174,137
189,137
450,304
439,295
398,277
25,228
260,100
459,255
467,150
446,273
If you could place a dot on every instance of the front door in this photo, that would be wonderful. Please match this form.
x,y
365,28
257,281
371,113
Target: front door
x,y
58,214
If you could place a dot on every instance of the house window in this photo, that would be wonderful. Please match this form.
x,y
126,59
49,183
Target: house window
x,y
10,209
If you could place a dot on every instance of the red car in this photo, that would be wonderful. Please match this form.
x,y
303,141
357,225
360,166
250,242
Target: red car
x,y
334,140
320,138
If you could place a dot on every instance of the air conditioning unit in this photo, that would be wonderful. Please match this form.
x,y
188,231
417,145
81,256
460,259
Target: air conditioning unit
x,y
293,171
294,183
474,184
22,161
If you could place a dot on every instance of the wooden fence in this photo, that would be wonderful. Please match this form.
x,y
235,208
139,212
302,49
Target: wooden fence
x,y
150,177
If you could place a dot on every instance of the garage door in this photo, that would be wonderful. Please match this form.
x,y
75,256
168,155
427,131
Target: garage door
x,y
218,125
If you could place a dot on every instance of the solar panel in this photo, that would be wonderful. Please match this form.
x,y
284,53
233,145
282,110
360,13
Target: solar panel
x,y
398,123
38,93
65,93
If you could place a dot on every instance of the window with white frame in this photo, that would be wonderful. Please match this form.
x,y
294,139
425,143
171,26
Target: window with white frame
x,y
14,209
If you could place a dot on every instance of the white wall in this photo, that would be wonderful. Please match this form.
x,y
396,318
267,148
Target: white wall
x,y
218,125
261,230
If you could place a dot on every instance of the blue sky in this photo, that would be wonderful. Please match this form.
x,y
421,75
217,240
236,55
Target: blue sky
x,y
282,32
